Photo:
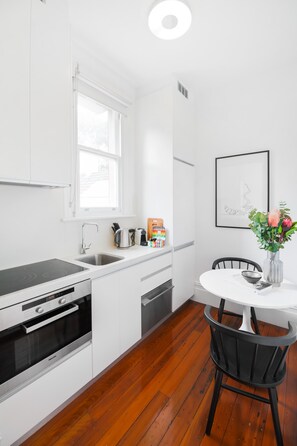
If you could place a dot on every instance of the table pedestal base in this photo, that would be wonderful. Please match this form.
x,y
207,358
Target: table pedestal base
x,y
246,320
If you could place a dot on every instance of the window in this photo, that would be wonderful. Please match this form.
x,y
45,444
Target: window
x,y
98,156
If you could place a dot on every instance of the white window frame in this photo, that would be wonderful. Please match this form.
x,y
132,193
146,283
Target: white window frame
x,y
111,104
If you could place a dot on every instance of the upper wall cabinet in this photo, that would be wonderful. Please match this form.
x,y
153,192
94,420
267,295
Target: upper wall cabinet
x,y
36,92
14,89
50,92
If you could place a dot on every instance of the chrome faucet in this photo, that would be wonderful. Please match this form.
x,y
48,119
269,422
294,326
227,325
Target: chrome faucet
x,y
84,246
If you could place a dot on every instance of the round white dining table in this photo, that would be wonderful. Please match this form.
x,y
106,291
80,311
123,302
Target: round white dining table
x,y
230,285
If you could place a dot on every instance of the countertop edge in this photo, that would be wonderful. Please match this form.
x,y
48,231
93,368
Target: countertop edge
x,y
133,256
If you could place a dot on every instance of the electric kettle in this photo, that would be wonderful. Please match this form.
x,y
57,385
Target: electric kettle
x,y
124,238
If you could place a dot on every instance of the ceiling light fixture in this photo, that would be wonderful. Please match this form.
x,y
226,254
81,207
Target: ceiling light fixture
x,y
169,19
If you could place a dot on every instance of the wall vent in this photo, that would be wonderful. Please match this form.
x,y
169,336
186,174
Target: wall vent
x,y
182,90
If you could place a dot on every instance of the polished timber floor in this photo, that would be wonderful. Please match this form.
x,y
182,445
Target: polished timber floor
x,y
160,393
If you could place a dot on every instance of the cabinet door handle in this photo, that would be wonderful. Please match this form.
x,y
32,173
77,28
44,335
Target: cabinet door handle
x,y
146,302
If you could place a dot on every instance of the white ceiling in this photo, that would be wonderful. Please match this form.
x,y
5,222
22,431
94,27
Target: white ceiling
x,y
228,38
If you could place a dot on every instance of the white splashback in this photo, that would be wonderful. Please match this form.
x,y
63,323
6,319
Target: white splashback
x,y
32,229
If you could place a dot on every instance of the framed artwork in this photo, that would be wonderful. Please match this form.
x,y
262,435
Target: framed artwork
x,y
242,184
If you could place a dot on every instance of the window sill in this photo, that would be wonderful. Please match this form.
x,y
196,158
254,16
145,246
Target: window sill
x,y
98,217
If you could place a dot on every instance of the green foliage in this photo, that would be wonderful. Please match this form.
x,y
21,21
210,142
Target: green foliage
x,y
272,229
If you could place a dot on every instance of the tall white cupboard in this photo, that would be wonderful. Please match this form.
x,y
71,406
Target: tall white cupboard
x,y
166,176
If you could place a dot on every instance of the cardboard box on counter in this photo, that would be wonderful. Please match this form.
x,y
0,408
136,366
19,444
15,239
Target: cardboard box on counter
x,y
151,222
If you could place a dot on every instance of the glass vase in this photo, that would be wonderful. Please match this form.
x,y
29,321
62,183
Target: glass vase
x,y
273,269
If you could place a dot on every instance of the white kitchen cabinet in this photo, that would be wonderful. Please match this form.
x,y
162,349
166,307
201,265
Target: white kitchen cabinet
x,y
183,127
154,265
155,272
166,142
166,181
28,407
105,322
14,90
116,316
116,307
183,275
35,85
50,92
155,157
184,210
129,308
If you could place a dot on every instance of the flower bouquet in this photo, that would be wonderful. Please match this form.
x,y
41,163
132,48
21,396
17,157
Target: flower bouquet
x,y
273,229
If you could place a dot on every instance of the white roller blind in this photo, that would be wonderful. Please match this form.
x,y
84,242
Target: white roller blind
x,y
104,97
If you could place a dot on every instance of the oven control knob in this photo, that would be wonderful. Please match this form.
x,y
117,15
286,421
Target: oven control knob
x,y
62,301
39,310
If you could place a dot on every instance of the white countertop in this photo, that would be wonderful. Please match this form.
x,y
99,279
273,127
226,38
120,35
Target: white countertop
x,y
132,256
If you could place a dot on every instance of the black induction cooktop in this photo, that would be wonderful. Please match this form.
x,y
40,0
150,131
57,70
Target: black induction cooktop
x,y
15,279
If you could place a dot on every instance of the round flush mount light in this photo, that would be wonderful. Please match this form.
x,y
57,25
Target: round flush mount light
x,y
169,19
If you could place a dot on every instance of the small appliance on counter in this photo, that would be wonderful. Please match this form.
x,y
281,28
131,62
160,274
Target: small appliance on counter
x,y
123,237
140,237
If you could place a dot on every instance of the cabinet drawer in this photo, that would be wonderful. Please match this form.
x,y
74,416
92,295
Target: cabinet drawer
x,y
155,265
153,280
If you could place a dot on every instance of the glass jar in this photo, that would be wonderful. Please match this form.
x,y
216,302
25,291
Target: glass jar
x,y
273,269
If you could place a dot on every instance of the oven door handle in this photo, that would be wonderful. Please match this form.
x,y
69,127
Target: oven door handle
x,y
73,308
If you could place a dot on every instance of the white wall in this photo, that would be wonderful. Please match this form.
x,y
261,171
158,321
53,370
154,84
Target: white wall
x,y
247,114
31,226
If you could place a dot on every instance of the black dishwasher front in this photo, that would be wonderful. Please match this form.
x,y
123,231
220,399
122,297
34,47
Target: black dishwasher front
x,y
156,305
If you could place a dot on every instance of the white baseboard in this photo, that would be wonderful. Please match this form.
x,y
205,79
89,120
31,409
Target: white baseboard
x,y
276,317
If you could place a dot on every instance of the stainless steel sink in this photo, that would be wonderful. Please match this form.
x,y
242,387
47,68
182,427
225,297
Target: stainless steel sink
x,y
99,259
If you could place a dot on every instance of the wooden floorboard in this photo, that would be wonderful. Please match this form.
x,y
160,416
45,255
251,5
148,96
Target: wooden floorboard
x,y
160,393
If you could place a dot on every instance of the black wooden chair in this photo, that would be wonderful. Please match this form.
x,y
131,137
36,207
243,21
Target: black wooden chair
x,y
238,263
258,361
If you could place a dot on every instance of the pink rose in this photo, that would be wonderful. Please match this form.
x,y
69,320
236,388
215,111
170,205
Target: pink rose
x,y
273,218
287,223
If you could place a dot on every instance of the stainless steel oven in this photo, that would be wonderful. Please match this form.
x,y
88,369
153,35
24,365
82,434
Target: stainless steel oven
x,y
39,332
